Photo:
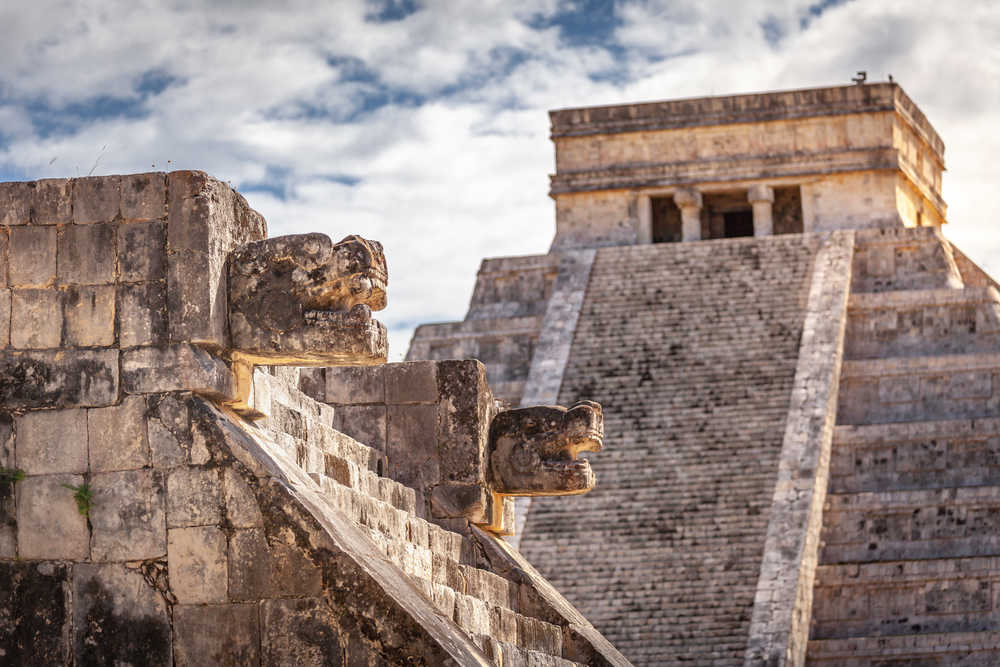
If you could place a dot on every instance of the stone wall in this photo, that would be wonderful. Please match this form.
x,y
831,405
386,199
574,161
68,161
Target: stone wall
x,y
143,521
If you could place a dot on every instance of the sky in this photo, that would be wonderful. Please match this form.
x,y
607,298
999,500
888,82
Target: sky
x,y
423,124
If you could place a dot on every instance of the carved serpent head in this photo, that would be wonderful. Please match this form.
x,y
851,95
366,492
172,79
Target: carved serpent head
x,y
304,299
533,451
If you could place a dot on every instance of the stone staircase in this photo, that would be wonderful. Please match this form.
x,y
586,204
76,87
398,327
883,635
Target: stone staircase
x,y
909,564
440,563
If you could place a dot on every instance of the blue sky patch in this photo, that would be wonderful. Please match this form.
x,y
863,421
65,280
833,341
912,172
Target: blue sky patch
x,y
773,30
154,82
582,23
384,11
816,10
50,121
275,182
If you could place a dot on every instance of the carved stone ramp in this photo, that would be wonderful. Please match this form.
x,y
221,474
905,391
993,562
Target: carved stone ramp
x,y
473,585
910,560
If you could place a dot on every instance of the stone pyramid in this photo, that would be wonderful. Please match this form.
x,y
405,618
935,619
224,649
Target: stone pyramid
x,y
798,375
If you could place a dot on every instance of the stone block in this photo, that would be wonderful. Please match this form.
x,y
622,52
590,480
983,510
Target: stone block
x,y
8,510
536,635
49,524
169,431
472,615
299,632
227,634
444,599
412,445
119,619
117,436
53,203
199,306
89,315
4,247
15,203
36,625
5,304
193,497
456,500
144,196
142,251
197,564
52,441
411,382
87,254
206,219
142,314
242,510
503,624
351,385
364,423
32,256
463,420
96,199
127,515
59,378
898,390
312,383
36,318
260,568
179,367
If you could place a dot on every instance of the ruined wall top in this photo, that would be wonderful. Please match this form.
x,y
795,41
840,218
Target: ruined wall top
x,y
747,108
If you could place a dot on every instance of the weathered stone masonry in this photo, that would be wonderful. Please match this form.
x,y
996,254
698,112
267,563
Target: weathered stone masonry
x,y
142,520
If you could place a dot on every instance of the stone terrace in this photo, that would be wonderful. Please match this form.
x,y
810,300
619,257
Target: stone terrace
x,y
908,570
691,349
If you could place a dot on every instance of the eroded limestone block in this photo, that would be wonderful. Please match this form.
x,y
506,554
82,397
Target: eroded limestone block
x,y
226,634
119,617
533,451
303,299
56,378
35,628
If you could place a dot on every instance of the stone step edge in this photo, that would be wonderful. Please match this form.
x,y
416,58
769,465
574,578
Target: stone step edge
x,y
419,533
484,326
433,589
851,434
926,365
887,572
922,297
908,499
904,645
892,234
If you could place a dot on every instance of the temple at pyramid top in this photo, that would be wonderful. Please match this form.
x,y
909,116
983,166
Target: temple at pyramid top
x,y
810,160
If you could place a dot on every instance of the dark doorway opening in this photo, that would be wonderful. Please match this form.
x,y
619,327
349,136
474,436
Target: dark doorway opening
x,y
666,220
738,223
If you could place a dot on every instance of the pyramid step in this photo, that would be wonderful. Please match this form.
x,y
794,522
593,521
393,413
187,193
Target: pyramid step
x,y
906,597
881,391
923,322
912,524
903,259
967,649
915,455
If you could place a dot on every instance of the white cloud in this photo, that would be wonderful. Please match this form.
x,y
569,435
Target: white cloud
x,y
441,116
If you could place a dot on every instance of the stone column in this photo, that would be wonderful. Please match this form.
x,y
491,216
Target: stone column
x,y
644,220
761,197
689,202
